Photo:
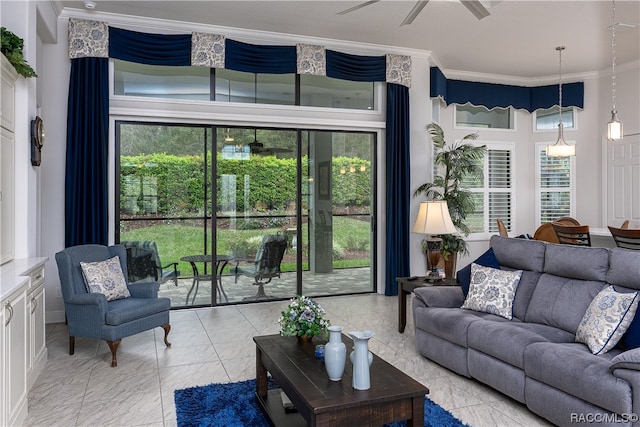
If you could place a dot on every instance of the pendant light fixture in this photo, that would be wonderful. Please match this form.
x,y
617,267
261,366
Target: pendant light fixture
x,y
560,148
614,127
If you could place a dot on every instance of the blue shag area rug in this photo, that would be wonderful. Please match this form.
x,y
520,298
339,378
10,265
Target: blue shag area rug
x,y
234,404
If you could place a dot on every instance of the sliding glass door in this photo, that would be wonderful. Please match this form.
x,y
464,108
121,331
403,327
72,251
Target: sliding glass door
x,y
291,211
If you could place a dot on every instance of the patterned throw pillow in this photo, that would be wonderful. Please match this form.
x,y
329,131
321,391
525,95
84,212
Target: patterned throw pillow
x,y
607,319
105,277
492,291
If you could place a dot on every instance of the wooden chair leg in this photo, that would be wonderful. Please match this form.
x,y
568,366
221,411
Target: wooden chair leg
x,y
72,344
167,328
113,345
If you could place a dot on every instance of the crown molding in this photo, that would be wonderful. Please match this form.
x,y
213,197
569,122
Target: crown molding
x,y
164,26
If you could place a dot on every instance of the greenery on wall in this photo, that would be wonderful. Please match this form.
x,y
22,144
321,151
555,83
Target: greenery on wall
x,y
12,46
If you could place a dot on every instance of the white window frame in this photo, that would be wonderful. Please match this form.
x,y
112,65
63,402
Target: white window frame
x,y
505,146
540,147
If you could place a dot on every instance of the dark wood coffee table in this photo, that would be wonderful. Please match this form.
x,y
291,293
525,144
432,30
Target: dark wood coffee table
x,y
393,396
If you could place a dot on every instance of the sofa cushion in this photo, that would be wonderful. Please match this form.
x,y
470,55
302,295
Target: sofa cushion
x,y
126,310
589,264
561,302
492,290
528,282
105,277
571,368
450,324
624,268
607,319
506,341
519,254
487,259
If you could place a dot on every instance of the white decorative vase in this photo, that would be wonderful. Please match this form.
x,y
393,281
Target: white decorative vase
x,y
361,359
335,354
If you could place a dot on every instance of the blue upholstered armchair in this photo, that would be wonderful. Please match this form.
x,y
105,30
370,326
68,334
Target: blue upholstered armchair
x,y
90,315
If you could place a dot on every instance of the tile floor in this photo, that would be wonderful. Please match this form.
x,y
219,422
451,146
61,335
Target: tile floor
x,y
211,345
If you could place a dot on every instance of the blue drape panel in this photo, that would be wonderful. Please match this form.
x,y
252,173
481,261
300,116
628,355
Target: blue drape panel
x,y
151,49
86,198
260,58
398,187
493,95
356,68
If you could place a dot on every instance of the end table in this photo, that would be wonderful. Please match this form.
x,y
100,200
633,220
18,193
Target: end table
x,y
406,285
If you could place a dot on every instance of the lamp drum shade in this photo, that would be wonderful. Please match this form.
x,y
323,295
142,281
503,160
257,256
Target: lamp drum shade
x,y
433,218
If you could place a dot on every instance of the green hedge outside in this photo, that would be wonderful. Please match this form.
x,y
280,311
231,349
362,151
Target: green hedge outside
x,y
172,185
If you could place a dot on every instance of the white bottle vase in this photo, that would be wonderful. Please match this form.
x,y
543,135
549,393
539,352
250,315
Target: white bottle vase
x,y
335,354
361,360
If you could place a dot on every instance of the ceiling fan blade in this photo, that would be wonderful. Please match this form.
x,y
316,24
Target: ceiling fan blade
x,y
476,8
417,8
359,6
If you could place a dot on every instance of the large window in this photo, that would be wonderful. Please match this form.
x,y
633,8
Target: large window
x,y
492,190
554,186
195,83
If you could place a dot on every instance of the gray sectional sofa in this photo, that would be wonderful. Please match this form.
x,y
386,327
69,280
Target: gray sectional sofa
x,y
533,357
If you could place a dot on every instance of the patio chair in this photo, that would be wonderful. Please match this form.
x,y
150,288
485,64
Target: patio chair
x,y
144,262
94,310
266,265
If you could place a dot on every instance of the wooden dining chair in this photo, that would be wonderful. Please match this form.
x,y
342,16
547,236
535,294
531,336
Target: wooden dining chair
x,y
628,238
577,235
502,229
566,220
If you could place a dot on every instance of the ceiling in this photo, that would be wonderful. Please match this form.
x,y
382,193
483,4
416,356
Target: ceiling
x,y
517,40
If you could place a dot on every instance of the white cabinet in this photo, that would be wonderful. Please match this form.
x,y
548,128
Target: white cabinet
x,y
15,357
37,333
23,351
8,76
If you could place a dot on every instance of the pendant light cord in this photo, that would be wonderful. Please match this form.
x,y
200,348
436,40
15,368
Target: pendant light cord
x,y
560,49
613,51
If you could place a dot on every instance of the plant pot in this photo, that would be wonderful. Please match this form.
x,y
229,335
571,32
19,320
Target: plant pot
x,y
449,266
304,338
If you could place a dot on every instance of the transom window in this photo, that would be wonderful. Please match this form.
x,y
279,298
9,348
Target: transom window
x,y
546,119
472,116
221,85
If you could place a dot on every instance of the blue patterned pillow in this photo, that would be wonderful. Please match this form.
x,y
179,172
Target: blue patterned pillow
x,y
607,319
492,291
105,277
487,259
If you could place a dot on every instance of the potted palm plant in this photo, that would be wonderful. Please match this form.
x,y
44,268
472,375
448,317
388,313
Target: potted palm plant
x,y
452,163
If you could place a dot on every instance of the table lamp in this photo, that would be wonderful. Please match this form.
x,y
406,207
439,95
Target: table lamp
x,y
433,219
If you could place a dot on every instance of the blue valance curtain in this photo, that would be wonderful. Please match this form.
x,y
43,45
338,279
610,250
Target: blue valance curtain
x,y
150,49
88,118
493,95
260,59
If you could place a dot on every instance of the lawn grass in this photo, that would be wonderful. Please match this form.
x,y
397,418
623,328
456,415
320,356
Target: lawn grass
x,y
176,240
